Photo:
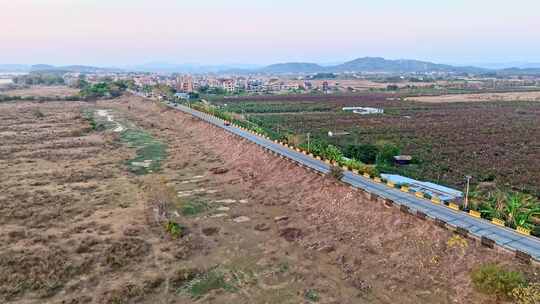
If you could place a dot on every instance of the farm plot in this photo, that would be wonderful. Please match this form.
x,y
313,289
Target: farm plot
x,y
492,141
508,96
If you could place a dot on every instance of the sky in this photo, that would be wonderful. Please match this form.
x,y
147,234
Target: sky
x,y
129,32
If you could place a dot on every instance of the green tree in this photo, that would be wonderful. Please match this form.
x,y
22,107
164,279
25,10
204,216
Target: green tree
x,y
386,154
365,153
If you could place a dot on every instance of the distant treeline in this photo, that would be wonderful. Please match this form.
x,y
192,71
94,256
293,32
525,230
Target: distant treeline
x,y
5,98
39,79
106,89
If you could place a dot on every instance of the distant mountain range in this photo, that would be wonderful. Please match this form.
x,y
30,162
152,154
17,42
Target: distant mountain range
x,y
365,64
369,64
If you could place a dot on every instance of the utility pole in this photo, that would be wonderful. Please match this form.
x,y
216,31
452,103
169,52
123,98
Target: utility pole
x,y
467,192
308,135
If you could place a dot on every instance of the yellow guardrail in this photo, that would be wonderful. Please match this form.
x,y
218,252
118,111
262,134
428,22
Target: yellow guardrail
x,y
453,206
523,230
498,222
474,213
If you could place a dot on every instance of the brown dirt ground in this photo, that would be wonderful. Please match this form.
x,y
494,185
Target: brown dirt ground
x,y
79,228
510,96
43,91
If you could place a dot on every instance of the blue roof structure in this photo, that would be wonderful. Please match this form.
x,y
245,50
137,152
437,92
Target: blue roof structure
x,y
444,193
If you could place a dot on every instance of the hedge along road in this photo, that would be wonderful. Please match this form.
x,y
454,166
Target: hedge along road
x,y
480,228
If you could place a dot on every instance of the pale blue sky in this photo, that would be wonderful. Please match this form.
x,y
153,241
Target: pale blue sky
x,y
121,32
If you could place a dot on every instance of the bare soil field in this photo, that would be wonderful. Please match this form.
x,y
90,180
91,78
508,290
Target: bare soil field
x,y
510,96
221,222
43,91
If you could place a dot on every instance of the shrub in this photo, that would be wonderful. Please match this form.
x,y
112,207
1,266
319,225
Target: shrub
x,y
206,282
38,114
174,229
312,295
183,275
492,279
371,170
527,295
351,163
336,172
194,207
332,153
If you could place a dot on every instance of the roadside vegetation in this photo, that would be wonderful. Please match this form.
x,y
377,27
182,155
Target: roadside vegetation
x,y
516,209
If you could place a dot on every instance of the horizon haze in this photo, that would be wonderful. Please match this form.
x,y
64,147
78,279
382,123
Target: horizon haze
x,y
123,33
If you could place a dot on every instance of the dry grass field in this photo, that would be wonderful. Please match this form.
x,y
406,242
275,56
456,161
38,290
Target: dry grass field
x,y
43,91
220,221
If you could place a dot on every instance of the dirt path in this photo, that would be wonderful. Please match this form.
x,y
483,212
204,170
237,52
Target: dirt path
x,y
80,228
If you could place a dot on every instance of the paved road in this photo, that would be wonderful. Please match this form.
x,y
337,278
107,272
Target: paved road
x,y
505,237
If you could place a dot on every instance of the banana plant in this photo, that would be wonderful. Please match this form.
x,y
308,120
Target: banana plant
x,y
494,205
520,208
